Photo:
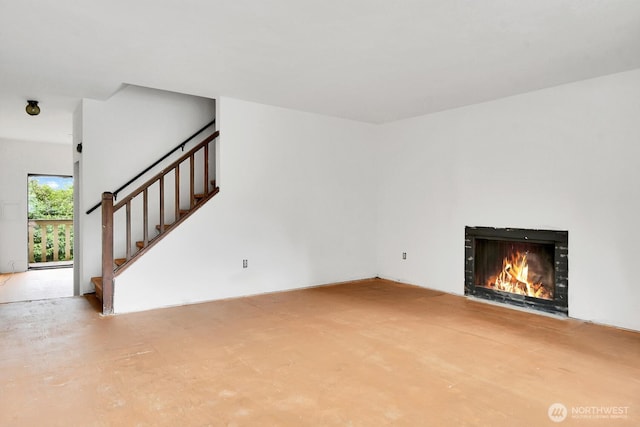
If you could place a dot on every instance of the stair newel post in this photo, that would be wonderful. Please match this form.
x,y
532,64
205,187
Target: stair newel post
x,y
107,253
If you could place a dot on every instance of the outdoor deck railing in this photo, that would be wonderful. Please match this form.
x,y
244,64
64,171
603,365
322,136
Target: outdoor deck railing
x,y
50,240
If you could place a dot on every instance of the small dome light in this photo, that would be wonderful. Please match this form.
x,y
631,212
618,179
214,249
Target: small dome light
x,y
32,108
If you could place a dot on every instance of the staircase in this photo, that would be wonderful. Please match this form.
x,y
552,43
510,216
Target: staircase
x,y
165,200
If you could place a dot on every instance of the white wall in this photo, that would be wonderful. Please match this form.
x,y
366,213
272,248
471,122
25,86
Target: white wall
x,y
309,199
297,200
563,158
78,287
120,137
18,159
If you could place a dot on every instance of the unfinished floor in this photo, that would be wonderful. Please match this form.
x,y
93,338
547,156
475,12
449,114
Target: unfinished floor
x,y
36,284
367,353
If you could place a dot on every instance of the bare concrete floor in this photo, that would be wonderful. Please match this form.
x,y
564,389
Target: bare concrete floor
x,y
36,284
367,353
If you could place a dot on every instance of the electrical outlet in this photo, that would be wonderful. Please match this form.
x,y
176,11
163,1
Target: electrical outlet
x,y
404,255
245,263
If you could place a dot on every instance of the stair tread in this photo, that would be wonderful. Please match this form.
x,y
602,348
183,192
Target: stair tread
x,y
97,282
119,261
166,227
203,195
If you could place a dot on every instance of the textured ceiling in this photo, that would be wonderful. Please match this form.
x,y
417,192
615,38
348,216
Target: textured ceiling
x,y
367,60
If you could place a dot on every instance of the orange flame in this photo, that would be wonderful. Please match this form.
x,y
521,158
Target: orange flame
x,y
514,278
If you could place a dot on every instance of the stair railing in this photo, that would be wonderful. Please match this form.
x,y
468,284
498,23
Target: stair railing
x,y
109,210
156,163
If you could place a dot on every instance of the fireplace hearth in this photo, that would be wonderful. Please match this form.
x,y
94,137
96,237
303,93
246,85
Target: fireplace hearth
x,y
519,267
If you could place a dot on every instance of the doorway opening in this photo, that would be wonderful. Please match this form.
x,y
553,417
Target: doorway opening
x,y
49,244
50,221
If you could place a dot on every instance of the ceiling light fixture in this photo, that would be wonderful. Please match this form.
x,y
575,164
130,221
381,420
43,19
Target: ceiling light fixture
x,y
32,108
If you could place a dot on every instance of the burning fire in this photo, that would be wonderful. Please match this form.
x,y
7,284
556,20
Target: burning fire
x,y
514,278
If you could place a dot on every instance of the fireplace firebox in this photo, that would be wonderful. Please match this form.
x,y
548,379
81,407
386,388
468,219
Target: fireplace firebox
x,y
520,267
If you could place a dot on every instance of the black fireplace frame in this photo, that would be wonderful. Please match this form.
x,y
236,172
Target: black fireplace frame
x,y
560,239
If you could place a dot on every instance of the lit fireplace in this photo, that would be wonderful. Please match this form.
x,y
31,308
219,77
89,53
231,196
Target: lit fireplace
x,y
527,268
